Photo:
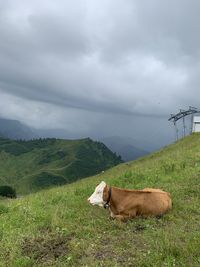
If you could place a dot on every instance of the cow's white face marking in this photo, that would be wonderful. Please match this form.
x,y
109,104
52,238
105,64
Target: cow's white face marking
x,y
97,197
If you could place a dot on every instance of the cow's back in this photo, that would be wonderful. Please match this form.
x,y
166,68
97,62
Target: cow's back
x,y
153,190
155,202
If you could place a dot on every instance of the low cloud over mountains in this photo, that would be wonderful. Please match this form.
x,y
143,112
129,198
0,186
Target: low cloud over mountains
x,y
99,67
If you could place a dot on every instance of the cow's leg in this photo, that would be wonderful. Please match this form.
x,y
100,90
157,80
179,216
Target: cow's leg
x,y
125,217
112,215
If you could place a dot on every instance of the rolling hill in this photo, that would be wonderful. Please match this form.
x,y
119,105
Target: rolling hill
x,y
57,227
33,165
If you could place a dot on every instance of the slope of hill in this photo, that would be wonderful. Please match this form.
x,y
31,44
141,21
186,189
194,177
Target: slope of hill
x,y
58,227
33,165
124,147
14,129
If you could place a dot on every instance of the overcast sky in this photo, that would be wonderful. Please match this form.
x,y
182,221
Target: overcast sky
x,y
99,68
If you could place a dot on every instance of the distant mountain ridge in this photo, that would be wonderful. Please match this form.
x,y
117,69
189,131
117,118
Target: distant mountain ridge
x,y
14,129
123,146
30,166
128,148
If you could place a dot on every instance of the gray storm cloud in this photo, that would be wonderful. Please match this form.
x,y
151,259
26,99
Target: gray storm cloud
x,y
82,64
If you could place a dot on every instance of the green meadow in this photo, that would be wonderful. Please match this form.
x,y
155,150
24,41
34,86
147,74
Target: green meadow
x,y
57,227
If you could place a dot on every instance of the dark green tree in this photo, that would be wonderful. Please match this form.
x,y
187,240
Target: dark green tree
x,y
7,191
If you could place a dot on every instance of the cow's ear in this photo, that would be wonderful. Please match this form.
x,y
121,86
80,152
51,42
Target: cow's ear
x,y
105,190
105,193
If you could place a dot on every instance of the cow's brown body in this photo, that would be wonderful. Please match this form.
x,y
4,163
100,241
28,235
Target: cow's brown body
x,y
126,204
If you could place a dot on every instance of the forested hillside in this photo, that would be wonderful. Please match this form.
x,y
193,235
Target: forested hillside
x,y
29,166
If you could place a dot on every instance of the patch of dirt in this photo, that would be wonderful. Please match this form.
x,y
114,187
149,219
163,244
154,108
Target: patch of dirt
x,y
121,259
121,250
100,255
106,250
47,248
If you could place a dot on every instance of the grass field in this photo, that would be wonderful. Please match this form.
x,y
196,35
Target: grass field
x,y
57,227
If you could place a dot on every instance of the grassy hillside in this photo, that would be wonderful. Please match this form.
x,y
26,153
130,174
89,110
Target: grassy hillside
x,y
58,227
33,165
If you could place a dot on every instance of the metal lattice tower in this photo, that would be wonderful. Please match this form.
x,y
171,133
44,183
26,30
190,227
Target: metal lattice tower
x,y
181,115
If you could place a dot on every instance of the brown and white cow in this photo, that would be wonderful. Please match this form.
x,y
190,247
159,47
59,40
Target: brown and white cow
x,y
125,204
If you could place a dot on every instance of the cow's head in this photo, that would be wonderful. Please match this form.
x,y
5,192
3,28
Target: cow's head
x,y
97,197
